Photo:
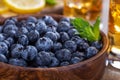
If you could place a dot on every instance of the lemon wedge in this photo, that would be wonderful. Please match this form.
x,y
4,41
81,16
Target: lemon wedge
x,y
3,7
25,6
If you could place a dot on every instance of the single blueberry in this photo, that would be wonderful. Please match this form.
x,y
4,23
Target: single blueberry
x,y
52,36
2,37
65,19
51,29
29,53
63,55
91,51
33,35
75,60
3,48
97,44
63,27
23,39
70,45
7,42
54,62
17,62
10,40
64,36
78,54
44,44
64,63
83,46
41,27
72,32
21,31
49,20
17,50
58,35
30,26
31,19
3,58
9,22
57,46
43,58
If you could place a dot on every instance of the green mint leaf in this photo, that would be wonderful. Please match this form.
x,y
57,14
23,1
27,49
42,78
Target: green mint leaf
x,y
96,29
51,2
86,30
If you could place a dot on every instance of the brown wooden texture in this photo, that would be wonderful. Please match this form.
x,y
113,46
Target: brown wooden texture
x,y
91,69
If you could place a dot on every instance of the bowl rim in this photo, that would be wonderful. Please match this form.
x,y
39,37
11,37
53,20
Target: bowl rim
x,y
99,54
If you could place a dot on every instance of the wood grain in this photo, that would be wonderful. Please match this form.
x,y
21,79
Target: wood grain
x,y
91,69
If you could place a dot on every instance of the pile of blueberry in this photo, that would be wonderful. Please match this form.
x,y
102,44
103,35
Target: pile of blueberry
x,y
43,42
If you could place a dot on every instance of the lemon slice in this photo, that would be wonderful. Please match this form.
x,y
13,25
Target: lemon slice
x,y
25,6
3,7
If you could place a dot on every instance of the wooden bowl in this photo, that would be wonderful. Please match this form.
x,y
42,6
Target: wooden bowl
x,y
91,69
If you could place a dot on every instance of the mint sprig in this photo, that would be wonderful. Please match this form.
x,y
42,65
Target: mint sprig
x,y
86,30
51,2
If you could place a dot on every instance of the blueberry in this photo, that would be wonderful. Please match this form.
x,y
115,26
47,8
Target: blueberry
x,y
70,45
7,42
1,28
72,32
51,29
64,36
29,53
52,36
23,39
57,46
65,19
3,58
91,51
17,62
17,50
54,62
65,63
44,44
22,30
52,54
63,27
33,35
78,54
63,55
30,26
43,59
10,40
97,44
2,37
75,60
9,22
58,35
49,20
83,46
31,19
3,48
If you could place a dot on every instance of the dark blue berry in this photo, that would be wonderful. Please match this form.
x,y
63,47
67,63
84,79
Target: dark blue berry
x,y
17,62
17,50
51,29
63,55
83,46
3,48
29,53
70,45
64,36
54,62
57,46
1,29
43,59
21,31
41,27
78,54
30,26
33,35
44,44
65,63
3,58
52,54
97,44
2,37
91,51
75,60
23,39
65,19
7,42
52,36
63,27
31,19
49,21
10,40
72,32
